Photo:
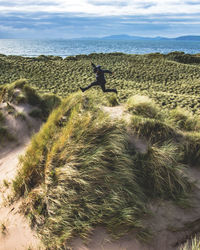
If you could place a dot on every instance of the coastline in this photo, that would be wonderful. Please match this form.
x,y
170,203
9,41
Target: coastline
x,y
72,47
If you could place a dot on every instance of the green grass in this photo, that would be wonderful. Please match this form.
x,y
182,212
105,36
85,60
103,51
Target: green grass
x,y
184,120
193,244
5,135
81,170
20,115
171,80
143,106
2,118
153,130
191,149
21,92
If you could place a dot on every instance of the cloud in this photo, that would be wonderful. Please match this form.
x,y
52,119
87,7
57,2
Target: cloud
x,y
76,18
9,29
102,7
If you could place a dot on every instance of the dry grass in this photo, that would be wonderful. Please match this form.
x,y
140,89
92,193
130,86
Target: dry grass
x,y
193,244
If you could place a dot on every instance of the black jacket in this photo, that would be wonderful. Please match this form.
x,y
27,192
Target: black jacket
x,y
100,73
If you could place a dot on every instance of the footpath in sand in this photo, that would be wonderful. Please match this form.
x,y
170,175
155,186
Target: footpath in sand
x,y
15,230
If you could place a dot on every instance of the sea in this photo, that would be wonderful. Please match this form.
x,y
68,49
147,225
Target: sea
x,y
70,47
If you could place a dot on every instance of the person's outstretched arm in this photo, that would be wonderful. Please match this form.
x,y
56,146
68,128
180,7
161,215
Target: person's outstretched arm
x,y
94,67
107,71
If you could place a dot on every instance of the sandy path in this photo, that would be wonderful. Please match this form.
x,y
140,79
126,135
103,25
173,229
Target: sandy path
x,y
8,163
15,232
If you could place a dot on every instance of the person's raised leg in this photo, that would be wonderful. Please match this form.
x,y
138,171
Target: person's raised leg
x,y
107,90
89,86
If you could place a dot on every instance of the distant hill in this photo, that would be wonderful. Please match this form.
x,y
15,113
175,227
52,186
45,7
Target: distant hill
x,y
128,37
121,37
192,38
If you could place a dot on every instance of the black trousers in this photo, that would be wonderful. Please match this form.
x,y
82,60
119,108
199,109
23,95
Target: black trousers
x,y
102,85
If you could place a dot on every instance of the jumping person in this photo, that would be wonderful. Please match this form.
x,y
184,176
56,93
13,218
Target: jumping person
x,y
100,79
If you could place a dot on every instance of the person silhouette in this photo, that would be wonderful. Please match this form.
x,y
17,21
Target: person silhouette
x,y
100,79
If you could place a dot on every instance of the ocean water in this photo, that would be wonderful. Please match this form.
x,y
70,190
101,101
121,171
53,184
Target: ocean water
x,y
63,48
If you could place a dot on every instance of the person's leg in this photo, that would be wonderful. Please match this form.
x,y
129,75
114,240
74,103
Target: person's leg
x,y
107,90
89,86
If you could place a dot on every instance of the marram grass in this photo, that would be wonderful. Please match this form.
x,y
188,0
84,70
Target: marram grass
x,y
192,244
171,80
20,92
81,170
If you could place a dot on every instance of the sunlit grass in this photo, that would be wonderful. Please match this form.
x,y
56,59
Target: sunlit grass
x,y
193,244
171,80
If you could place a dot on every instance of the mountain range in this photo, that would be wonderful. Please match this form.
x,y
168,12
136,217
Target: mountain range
x,y
128,37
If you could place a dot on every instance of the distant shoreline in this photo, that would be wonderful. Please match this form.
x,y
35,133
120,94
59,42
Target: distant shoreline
x,y
56,57
119,37
64,48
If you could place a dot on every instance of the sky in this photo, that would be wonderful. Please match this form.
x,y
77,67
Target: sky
x,y
54,19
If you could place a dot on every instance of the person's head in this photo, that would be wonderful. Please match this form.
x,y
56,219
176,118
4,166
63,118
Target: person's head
x,y
98,67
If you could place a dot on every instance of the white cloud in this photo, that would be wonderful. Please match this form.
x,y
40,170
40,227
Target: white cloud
x,y
103,7
8,28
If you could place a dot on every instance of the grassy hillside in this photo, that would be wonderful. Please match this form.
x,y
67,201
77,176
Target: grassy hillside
x,y
83,168
18,96
19,92
171,80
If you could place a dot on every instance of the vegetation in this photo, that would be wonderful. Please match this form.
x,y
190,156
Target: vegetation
x,y
82,170
171,80
193,244
20,92
3,228
1,117
4,133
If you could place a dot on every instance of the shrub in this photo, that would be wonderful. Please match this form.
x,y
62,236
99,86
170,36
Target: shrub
x,y
49,102
37,113
20,115
190,149
160,173
184,120
143,106
21,98
153,130
112,100
31,95
5,135
2,118
19,84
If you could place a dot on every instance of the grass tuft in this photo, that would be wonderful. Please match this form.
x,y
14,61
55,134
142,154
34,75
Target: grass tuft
x,y
143,106
184,120
193,244
153,130
2,118
190,149
20,92
160,174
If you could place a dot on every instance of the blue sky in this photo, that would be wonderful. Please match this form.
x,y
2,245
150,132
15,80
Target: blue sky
x,y
96,18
